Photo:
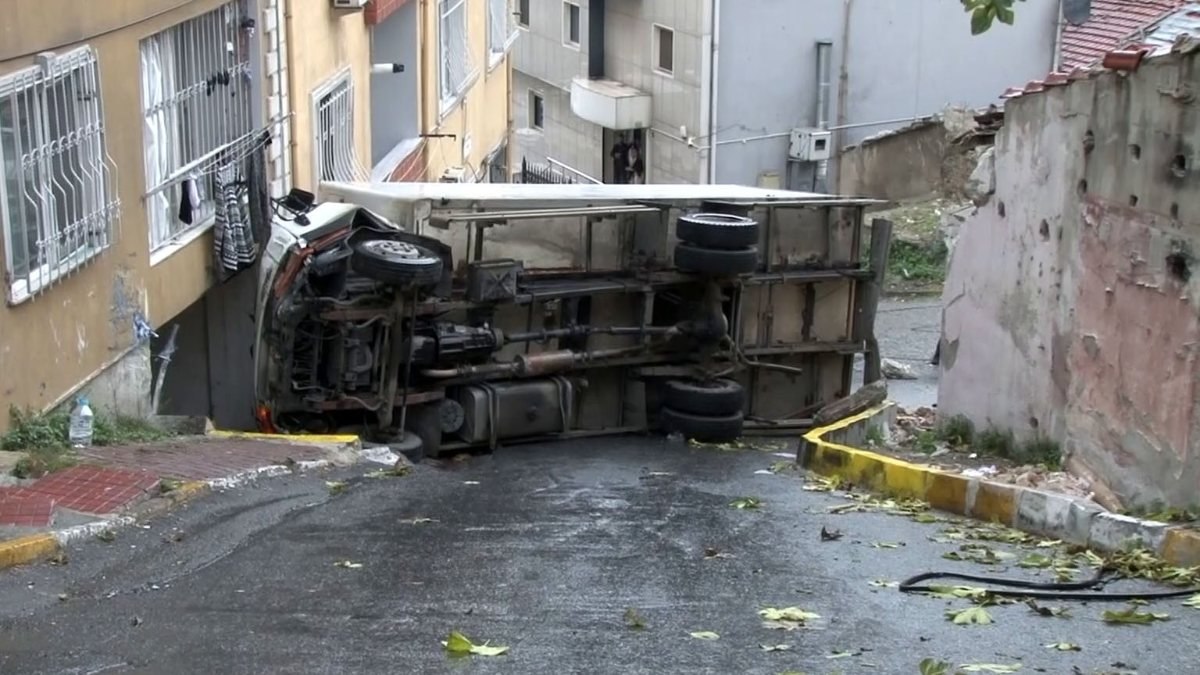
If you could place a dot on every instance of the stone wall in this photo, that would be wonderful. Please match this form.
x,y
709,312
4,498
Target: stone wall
x,y
1071,304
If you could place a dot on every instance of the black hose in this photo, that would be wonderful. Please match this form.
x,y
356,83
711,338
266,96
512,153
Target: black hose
x,y
1069,590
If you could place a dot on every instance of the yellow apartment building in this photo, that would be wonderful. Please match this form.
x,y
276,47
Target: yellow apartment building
x,y
120,121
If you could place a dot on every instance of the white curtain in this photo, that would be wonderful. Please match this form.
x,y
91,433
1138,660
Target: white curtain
x,y
161,140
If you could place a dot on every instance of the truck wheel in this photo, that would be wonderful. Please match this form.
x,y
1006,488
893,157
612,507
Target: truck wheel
x,y
706,429
396,263
695,397
717,230
715,261
410,445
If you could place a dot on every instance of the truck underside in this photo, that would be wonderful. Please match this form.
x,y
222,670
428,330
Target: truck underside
x,y
450,317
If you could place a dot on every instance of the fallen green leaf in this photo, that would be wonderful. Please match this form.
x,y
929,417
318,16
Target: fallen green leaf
x,y
780,467
1035,560
458,644
336,486
884,544
951,592
1047,610
704,635
1131,615
934,667
634,620
969,616
106,535
787,614
1193,601
746,503
1048,543
775,648
839,655
989,668
1064,647
926,518
346,564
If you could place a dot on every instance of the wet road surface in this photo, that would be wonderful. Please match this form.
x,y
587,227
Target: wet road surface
x,y
541,548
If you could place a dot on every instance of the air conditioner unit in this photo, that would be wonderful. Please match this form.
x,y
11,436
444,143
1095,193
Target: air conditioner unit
x,y
349,4
455,174
810,145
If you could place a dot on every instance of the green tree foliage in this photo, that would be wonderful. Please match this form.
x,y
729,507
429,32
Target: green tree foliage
x,y
985,12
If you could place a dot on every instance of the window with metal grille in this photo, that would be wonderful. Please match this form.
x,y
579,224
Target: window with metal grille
x,y
502,30
454,53
334,130
196,96
58,203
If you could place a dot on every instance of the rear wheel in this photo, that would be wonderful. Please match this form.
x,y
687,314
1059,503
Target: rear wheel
x,y
715,262
717,230
396,263
708,429
696,397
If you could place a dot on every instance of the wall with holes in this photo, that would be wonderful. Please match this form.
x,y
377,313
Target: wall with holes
x,y
82,326
1072,305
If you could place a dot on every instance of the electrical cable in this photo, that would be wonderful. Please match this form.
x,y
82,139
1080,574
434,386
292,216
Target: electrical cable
x,y
1071,590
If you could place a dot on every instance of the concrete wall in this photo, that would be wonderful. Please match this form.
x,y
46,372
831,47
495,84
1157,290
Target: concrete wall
x,y
565,136
396,98
83,325
1071,306
905,58
907,164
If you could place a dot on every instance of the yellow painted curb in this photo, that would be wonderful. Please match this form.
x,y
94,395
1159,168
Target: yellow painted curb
x,y
27,550
312,438
892,476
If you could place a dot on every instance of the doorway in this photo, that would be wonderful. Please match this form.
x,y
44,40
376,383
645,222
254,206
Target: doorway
x,y
625,156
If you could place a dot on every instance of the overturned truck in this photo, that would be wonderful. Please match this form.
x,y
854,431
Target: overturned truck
x,y
443,316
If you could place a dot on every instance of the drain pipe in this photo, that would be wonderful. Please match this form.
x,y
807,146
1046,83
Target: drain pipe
x,y
714,56
595,39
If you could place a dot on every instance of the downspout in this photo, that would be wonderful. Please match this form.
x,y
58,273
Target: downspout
x,y
595,52
843,92
714,55
706,83
1056,54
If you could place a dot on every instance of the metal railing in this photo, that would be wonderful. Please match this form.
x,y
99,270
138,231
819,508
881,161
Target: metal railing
x,y
58,203
553,171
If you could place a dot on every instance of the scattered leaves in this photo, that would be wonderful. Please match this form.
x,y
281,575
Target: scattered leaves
x,y
885,544
989,668
926,518
1064,647
1047,610
1035,560
952,592
704,635
399,470
106,535
787,618
347,564
969,616
781,467
839,655
458,644
168,485
634,620
934,667
1131,615
746,503
336,487
775,648
1193,601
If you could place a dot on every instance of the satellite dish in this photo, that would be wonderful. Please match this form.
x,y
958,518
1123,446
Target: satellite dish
x,y
1077,11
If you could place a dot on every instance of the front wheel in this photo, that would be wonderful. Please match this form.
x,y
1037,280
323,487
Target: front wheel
x,y
396,263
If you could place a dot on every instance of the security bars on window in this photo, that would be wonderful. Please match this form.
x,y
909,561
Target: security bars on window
x,y
58,201
502,30
334,148
197,101
456,69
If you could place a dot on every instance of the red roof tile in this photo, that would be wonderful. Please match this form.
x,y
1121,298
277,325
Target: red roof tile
x,y
1111,24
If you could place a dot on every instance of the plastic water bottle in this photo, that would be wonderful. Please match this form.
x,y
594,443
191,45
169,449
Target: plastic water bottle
x,y
82,424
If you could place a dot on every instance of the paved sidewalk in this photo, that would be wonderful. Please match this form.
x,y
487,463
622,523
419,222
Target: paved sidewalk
x,y
110,480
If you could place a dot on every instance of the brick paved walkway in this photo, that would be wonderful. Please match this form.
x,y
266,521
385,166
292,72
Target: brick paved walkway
x,y
110,479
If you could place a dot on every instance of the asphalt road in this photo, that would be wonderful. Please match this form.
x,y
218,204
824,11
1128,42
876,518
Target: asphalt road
x,y
541,548
908,331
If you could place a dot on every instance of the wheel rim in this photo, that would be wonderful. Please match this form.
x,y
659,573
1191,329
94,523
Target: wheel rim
x,y
393,249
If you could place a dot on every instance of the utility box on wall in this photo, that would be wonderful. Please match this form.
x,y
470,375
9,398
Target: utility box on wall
x,y
809,145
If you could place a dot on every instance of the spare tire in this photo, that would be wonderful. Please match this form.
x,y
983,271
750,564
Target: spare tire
x,y
717,230
696,397
396,263
715,262
715,429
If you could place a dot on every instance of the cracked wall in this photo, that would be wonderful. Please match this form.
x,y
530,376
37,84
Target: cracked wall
x,y
1072,306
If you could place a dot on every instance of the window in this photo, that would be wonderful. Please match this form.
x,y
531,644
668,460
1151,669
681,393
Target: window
x,y
570,24
57,196
502,31
453,51
523,13
664,50
196,99
333,128
537,111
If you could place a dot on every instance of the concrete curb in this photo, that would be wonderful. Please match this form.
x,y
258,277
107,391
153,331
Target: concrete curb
x,y
37,547
830,451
